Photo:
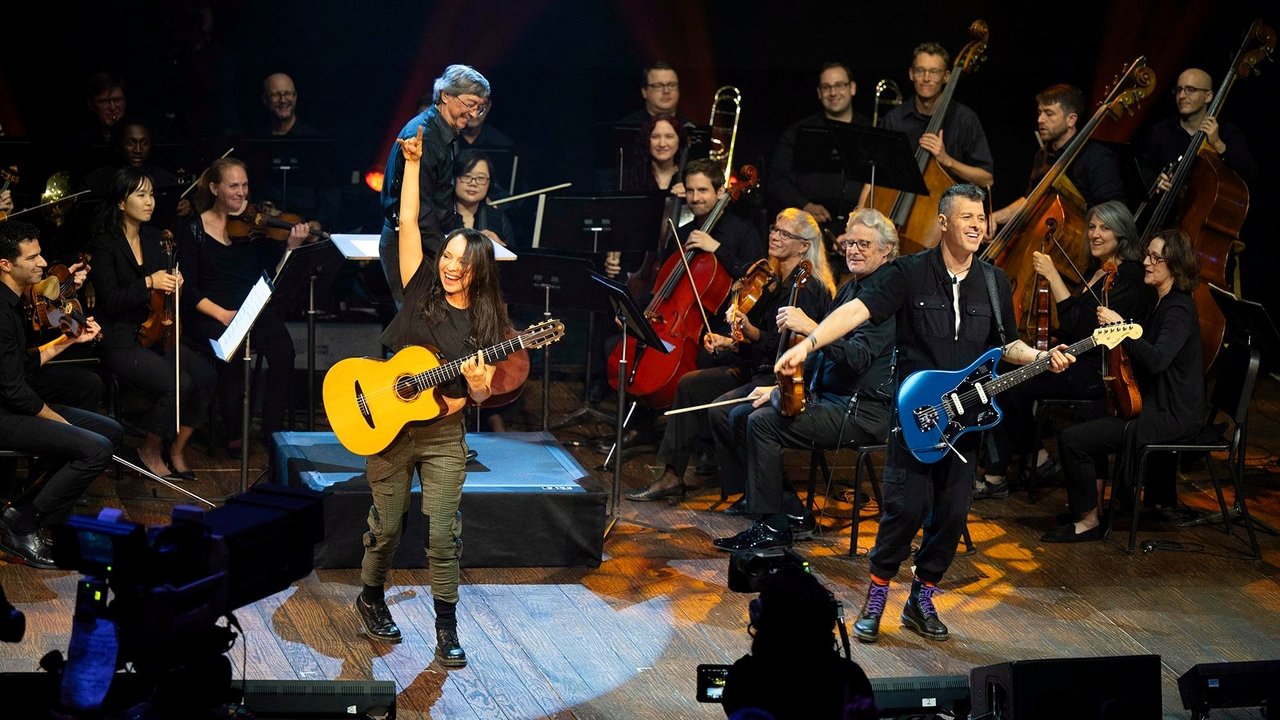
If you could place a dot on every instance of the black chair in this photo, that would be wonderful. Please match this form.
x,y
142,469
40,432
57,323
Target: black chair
x,y
1041,409
818,461
1238,368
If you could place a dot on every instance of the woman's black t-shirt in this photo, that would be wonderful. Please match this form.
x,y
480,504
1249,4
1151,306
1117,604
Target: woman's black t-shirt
x,y
451,338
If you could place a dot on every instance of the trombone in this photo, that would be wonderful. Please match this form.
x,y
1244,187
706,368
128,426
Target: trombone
x,y
726,104
895,98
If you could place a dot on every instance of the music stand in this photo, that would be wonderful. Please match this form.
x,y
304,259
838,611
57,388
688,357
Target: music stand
x,y
1249,323
314,162
607,222
633,322
314,264
530,282
236,334
877,157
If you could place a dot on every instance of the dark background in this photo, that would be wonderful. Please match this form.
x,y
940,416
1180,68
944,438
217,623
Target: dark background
x,y
560,71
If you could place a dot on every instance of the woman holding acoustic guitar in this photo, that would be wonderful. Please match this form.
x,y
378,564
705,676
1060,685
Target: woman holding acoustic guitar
x,y
131,264
452,303
1114,279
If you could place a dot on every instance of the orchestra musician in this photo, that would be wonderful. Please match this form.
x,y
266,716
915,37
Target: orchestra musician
x,y
793,238
218,272
1095,172
130,264
660,89
458,95
828,197
960,147
452,303
945,320
82,442
1168,365
1112,238
851,386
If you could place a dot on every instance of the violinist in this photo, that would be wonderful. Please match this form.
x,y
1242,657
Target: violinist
x,y
219,270
81,442
1095,172
942,303
458,95
1168,365
1113,247
851,384
793,238
131,265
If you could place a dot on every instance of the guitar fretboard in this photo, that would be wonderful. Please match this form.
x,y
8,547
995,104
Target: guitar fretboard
x,y
444,373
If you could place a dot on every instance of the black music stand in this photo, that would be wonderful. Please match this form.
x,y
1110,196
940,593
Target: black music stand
x,y
312,163
1248,323
634,323
877,157
607,222
531,279
313,265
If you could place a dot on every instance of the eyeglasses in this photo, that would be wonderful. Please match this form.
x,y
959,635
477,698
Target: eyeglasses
x,y
1180,89
787,235
282,95
473,179
833,87
863,245
1154,258
109,100
931,73
663,86
478,107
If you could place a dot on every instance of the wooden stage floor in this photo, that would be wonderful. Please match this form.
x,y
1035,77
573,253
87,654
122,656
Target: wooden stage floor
x,y
622,640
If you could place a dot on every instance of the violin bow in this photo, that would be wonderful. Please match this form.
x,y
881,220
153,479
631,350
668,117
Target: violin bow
x,y
196,182
177,351
1053,235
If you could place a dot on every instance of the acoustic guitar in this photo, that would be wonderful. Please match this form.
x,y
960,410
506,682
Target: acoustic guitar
x,y
368,401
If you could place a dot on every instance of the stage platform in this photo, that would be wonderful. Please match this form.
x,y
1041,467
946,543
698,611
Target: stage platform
x,y
526,502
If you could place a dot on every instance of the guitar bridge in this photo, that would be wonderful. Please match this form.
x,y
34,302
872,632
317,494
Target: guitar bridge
x,y
363,405
926,417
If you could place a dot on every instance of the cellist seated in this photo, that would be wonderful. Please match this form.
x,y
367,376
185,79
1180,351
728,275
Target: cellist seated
x,y
851,383
1112,240
747,362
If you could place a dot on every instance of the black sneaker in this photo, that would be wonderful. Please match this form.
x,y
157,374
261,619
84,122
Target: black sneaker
x,y
448,650
867,626
983,490
757,537
376,617
920,615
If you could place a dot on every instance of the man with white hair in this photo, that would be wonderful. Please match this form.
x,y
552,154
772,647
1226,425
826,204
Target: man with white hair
x,y
458,95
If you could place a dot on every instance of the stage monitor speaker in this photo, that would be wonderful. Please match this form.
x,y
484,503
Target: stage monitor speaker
x,y
1124,687
924,696
359,699
1230,685
334,342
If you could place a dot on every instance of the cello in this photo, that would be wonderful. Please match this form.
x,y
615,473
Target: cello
x,y
1056,197
689,284
916,217
1209,200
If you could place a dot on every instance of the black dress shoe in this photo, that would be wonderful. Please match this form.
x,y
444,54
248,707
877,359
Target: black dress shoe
x,y
448,650
376,617
649,495
920,615
867,627
707,463
30,548
630,439
757,537
739,507
1067,534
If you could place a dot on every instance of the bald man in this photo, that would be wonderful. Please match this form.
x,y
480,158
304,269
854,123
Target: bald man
x,y
1168,139
280,98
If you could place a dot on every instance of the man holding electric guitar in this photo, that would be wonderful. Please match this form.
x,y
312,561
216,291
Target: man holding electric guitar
x,y
950,307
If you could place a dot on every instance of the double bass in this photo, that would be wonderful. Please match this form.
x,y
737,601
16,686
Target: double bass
x,y
1056,197
690,284
916,217
1208,200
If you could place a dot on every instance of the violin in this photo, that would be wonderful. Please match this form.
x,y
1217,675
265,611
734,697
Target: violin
x,y
255,223
790,399
759,281
158,327
9,176
1042,300
54,304
1123,397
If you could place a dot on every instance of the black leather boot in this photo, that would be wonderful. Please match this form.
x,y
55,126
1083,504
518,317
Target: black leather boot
x,y
448,649
919,613
376,617
867,627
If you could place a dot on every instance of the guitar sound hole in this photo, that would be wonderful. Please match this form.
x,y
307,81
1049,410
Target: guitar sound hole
x,y
406,388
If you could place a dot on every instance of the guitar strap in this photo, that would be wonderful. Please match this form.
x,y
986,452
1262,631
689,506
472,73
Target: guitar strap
x,y
990,276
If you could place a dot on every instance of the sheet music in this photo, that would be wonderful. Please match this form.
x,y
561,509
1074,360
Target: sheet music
x,y
225,346
365,247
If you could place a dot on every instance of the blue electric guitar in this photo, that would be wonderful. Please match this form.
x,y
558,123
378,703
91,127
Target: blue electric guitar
x,y
936,407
